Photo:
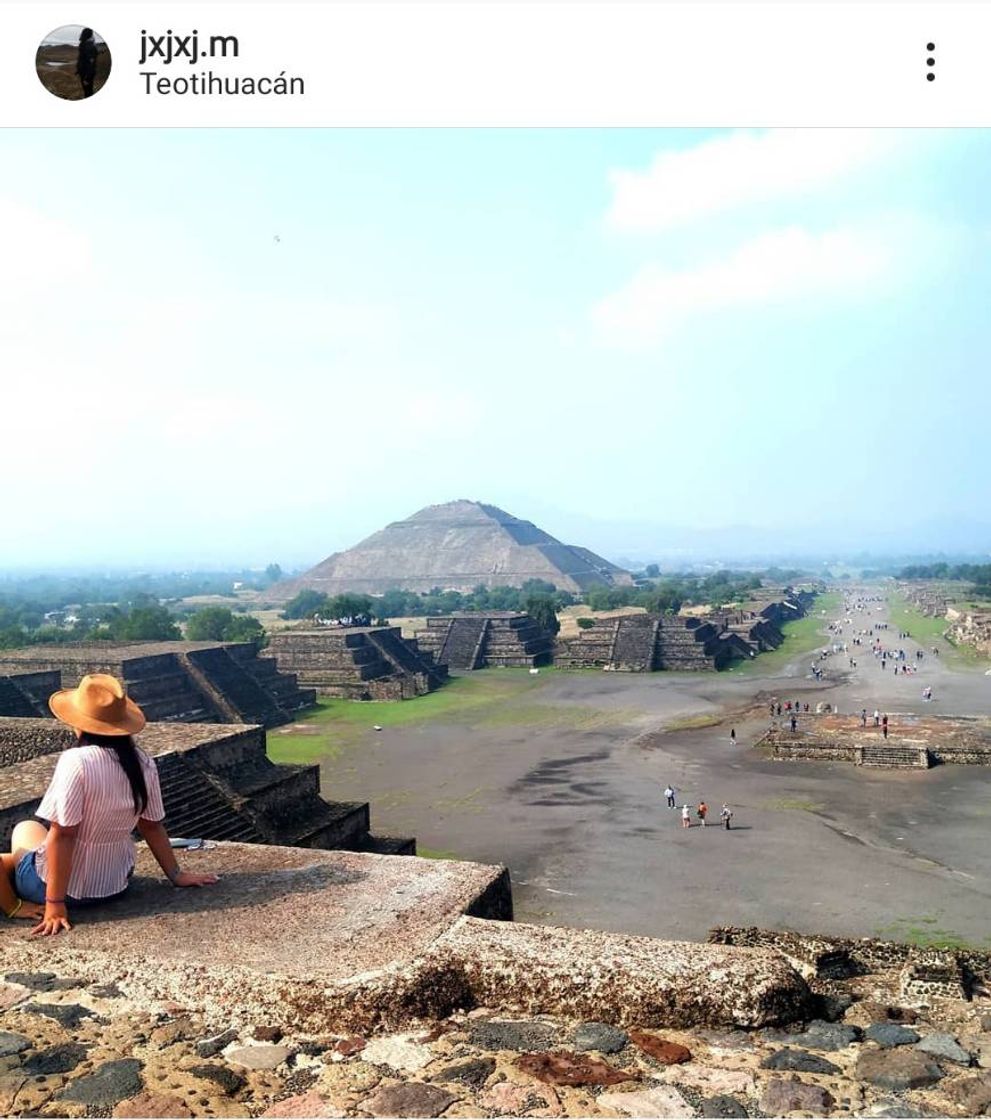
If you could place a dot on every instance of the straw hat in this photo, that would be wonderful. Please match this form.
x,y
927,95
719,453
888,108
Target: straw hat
x,y
98,704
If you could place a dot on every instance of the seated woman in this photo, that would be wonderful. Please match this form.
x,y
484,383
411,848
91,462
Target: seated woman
x,y
103,787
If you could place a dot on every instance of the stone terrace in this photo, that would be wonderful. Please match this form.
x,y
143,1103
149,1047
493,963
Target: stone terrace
x,y
217,783
189,682
913,741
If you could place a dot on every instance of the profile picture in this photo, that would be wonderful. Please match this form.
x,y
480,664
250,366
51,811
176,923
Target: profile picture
x,y
73,62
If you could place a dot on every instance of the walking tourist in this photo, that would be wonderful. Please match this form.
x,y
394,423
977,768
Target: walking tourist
x,y
726,815
884,726
103,788
863,717
669,794
732,735
877,718
686,817
702,812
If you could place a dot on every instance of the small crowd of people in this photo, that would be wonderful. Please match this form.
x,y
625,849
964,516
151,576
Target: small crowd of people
x,y
701,810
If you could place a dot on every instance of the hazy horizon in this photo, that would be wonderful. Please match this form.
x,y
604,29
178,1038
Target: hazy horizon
x,y
244,346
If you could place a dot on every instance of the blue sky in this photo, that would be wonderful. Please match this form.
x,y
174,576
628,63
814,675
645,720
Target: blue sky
x,y
626,336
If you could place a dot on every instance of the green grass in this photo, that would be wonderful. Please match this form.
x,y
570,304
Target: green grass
x,y
929,632
435,853
801,636
489,697
692,723
924,932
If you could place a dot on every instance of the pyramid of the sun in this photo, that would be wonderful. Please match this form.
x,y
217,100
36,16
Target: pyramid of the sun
x,y
457,546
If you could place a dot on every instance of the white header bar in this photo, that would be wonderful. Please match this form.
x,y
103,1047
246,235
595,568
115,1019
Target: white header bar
x,y
541,63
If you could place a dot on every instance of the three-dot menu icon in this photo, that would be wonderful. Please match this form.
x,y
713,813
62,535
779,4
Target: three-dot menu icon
x,y
931,62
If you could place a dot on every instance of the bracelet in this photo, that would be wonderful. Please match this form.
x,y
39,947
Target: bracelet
x,y
13,913
54,901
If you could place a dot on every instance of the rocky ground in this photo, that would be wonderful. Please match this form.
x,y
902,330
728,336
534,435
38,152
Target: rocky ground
x,y
68,1049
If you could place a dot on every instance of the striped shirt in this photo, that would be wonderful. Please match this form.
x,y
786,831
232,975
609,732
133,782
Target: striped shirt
x,y
90,789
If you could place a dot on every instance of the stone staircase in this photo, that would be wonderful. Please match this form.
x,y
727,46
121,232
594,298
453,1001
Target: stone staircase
x,y
195,807
635,643
235,692
897,757
462,646
405,656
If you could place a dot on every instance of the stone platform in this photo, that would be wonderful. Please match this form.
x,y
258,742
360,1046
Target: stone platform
x,y
913,742
317,941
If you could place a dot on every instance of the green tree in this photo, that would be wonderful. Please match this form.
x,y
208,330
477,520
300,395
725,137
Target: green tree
x,y
652,571
209,625
218,624
305,605
541,609
273,573
147,624
351,608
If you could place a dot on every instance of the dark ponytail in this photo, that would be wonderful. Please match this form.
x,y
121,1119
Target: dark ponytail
x,y
126,751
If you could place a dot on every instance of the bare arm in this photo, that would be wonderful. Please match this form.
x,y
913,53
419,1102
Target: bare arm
x,y
154,835
60,849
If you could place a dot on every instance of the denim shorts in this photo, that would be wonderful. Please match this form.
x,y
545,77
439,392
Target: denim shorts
x,y
31,887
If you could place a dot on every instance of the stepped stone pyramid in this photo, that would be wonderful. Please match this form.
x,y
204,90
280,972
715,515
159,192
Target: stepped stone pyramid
x,y
456,546
187,682
641,643
356,662
466,640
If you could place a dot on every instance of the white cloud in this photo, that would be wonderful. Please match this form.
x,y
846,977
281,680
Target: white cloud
x,y
737,170
784,265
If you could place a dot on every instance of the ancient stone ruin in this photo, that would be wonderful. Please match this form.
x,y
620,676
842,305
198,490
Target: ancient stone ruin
x,y
971,628
499,639
642,643
456,546
913,742
217,784
188,682
356,662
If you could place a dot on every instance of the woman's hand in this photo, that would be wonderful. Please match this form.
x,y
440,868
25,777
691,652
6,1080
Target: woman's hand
x,y
54,921
188,879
